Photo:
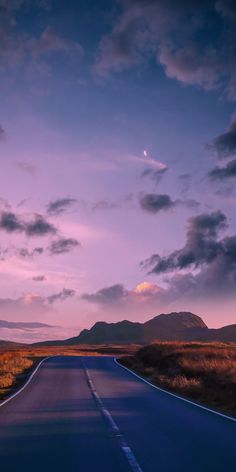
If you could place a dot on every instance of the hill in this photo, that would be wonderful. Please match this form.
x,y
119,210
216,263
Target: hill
x,y
225,334
182,326
5,344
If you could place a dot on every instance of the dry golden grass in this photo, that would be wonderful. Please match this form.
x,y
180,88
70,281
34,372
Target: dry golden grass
x,y
12,364
205,372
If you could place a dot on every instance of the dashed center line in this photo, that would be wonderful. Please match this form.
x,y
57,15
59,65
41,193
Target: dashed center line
x,y
134,465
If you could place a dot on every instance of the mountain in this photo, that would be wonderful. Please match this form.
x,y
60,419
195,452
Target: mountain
x,y
173,326
22,325
5,344
225,334
183,326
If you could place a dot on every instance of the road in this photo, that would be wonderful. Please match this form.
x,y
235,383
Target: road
x,y
89,414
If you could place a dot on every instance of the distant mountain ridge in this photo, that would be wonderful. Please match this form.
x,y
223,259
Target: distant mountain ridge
x,y
5,344
182,326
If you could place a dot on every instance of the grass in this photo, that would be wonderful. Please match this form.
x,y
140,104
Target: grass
x,y
12,366
205,372
16,364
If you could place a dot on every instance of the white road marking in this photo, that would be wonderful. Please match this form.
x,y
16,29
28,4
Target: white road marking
x,y
173,394
135,467
27,383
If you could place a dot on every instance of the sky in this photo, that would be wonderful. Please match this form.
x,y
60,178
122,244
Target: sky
x,y
118,162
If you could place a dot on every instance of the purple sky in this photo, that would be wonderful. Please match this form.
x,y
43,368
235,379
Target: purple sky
x,y
118,167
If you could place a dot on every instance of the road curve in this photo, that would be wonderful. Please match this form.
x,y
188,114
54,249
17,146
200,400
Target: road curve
x,y
89,414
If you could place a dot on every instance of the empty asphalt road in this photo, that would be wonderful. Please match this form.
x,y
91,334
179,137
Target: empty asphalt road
x,y
89,414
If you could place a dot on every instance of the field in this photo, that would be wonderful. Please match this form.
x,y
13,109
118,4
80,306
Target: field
x,y
16,364
205,372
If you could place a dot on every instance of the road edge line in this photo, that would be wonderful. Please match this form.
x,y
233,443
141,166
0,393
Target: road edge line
x,y
27,382
174,395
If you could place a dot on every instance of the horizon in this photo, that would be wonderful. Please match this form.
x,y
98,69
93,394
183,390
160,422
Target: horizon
x,y
118,145
29,335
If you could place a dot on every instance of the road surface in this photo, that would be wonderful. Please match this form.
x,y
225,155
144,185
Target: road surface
x,y
89,414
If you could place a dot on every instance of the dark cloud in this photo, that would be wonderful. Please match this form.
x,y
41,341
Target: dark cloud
x,y
105,205
224,145
190,203
166,31
56,207
26,253
215,279
214,276
107,295
111,205
155,174
12,223
63,245
39,227
222,173
39,278
202,245
213,259
2,134
61,296
153,203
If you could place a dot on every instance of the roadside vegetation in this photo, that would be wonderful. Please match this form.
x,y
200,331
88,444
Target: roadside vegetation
x,y
12,365
205,372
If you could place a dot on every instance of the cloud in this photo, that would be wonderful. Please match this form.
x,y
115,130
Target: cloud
x,y
39,227
118,297
12,223
107,295
39,278
63,245
190,203
27,304
49,42
30,303
56,207
222,173
27,167
20,48
26,253
189,64
204,269
201,247
106,204
2,134
166,32
155,174
224,145
153,203
185,183
61,296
